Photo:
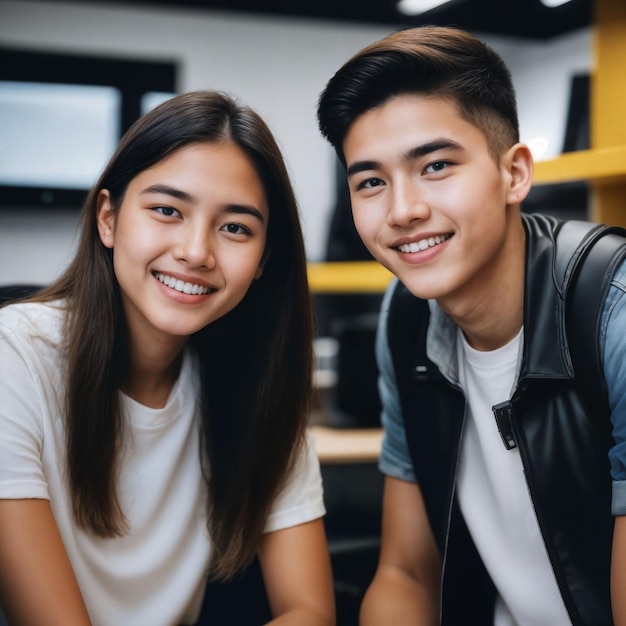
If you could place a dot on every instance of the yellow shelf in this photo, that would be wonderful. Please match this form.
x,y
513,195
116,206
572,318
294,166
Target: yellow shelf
x,y
348,277
602,165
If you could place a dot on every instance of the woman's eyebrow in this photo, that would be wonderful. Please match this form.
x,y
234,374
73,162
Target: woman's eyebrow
x,y
244,209
179,194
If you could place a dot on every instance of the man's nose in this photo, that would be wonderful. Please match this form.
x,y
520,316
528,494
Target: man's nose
x,y
407,203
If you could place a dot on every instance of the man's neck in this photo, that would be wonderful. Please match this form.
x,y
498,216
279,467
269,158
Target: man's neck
x,y
491,312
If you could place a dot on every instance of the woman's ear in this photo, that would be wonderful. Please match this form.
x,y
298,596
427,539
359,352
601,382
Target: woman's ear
x,y
105,218
519,162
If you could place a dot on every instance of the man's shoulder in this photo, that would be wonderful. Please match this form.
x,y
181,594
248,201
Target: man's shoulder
x,y
620,272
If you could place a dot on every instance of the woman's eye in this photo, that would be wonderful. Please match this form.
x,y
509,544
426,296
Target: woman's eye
x,y
236,229
435,167
168,211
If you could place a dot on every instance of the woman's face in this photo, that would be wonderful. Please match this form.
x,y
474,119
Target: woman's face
x,y
187,241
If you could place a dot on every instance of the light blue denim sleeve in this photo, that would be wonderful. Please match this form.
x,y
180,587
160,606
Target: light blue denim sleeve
x,y
613,332
395,459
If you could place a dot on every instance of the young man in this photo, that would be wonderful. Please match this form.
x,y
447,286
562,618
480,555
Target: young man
x,y
499,497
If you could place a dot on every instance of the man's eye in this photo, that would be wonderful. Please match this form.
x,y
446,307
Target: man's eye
x,y
435,167
370,183
168,211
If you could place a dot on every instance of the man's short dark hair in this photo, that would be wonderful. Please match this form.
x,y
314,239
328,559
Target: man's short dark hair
x,y
428,60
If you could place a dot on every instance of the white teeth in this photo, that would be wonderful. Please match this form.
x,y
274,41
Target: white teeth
x,y
422,244
181,286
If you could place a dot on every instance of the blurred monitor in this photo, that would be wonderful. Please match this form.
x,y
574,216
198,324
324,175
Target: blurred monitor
x,y
61,118
56,136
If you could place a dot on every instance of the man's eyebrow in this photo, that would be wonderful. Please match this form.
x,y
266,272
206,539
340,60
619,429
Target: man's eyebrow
x,y
411,154
431,146
361,166
179,194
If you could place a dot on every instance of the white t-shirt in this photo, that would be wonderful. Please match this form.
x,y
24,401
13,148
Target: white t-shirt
x,y
155,574
494,497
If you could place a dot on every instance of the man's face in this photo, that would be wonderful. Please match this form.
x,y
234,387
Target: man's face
x,y
428,198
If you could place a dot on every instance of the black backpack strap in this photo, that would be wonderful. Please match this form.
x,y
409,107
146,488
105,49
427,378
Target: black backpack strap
x,y
407,326
586,258
584,304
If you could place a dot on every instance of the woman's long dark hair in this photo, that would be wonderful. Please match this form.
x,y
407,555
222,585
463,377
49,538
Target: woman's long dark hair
x,y
256,360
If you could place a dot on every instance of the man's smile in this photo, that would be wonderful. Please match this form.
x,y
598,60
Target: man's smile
x,y
423,244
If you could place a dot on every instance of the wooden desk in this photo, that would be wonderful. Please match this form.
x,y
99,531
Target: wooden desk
x,y
347,445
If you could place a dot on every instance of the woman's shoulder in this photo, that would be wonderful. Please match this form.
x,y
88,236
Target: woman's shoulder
x,y
32,319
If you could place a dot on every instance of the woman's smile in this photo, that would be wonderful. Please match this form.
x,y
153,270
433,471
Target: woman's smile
x,y
182,286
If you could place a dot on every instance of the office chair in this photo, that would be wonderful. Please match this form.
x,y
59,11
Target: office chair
x,y
17,291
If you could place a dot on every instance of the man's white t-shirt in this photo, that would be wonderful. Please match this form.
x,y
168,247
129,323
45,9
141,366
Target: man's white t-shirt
x,y
156,574
494,497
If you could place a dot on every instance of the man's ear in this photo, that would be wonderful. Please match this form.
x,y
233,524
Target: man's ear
x,y
259,271
519,162
105,218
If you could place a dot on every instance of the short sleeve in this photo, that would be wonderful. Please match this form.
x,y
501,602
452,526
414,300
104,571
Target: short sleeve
x,y
613,330
302,498
21,427
395,460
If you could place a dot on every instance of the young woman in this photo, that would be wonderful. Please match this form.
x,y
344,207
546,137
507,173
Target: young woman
x,y
155,397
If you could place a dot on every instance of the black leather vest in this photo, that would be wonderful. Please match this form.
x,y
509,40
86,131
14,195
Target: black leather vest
x,y
562,447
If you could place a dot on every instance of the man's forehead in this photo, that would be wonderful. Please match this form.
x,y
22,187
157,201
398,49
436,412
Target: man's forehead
x,y
408,125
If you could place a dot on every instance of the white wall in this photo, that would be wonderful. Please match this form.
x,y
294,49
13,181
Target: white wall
x,y
541,73
276,65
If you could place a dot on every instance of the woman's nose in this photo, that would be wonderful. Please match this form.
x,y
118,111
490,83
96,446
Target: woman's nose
x,y
196,247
